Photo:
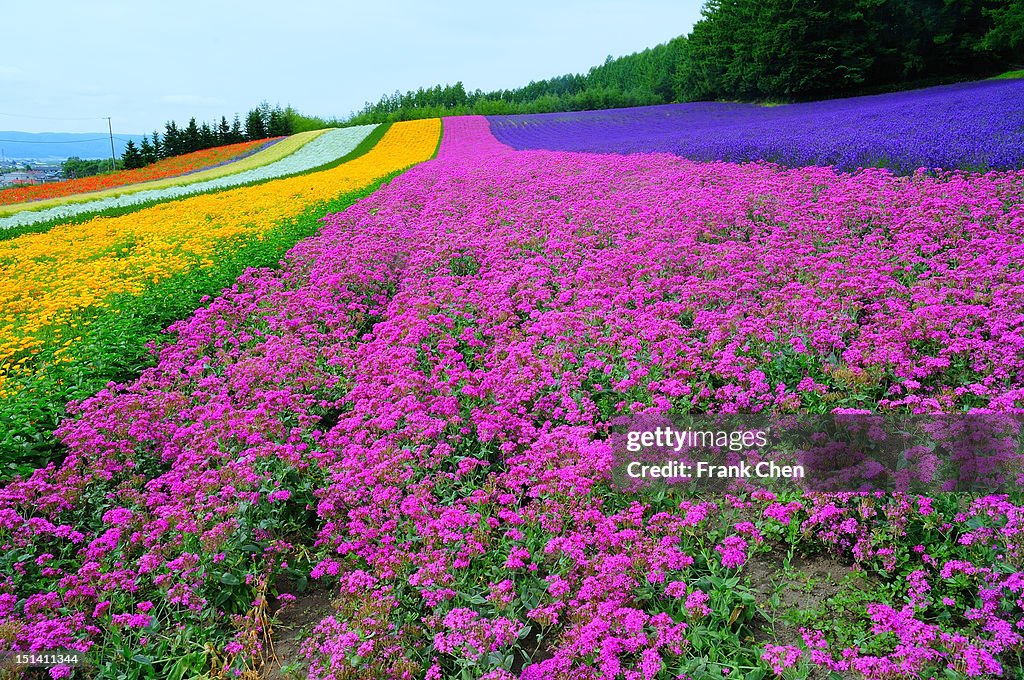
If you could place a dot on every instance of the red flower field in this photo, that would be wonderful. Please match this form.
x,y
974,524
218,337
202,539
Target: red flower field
x,y
168,167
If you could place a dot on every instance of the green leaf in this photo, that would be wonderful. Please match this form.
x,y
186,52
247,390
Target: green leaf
x,y
977,522
473,598
229,579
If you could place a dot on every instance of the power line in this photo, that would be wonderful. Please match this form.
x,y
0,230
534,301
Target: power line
x,y
70,141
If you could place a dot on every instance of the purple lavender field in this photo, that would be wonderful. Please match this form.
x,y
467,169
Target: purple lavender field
x,y
975,126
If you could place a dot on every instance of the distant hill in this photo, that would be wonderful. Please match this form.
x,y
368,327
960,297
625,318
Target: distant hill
x,y
60,145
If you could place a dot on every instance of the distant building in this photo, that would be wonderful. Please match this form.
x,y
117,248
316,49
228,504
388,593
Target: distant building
x,y
25,177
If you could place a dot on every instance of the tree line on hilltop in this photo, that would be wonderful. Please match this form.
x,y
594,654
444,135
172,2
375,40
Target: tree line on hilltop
x,y
764,50
76,167
263,122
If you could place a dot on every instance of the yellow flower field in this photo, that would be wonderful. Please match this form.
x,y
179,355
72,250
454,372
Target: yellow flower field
x,y
50,281
265,157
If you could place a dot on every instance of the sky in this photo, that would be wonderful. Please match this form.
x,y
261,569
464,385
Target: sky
x,y
66,64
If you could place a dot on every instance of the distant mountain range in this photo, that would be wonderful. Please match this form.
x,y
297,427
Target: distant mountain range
x,y
54,146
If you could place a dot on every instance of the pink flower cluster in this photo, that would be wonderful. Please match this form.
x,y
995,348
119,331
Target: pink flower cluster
x,y
424,390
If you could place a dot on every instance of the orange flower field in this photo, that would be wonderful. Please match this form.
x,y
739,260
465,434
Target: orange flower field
x,y
168,167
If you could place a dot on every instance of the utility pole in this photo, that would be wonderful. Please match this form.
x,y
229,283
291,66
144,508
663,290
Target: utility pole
x,y
113,158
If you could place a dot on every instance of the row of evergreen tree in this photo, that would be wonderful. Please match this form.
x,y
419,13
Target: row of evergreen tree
x,y
785,50
262,122
758,50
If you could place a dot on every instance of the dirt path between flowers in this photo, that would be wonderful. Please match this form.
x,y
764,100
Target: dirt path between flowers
x,y
810,584
294,624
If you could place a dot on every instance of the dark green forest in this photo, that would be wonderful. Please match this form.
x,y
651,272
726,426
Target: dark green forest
x,y
764,50
76,167
261,122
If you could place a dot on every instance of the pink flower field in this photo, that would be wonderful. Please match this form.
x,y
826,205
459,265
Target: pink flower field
x,y
404,432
